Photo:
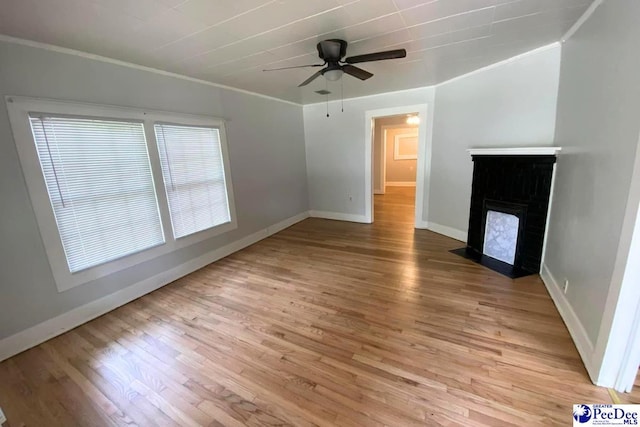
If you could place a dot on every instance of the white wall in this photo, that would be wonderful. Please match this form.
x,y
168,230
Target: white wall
x,y
594,210
511,104
266,144
335,148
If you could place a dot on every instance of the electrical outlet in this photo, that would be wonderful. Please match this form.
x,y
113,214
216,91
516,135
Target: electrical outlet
x,y
566,285
351,198
3,419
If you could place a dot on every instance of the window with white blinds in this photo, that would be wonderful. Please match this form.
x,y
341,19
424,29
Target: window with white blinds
x,y
98,177
194,177
114,187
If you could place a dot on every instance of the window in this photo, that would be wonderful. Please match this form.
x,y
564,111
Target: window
x,y
98,177
113,187
194,180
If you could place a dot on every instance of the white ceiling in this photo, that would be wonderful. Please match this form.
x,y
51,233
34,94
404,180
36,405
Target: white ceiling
x,y
231,41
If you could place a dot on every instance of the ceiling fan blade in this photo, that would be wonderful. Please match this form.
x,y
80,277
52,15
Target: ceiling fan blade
x,y
295,66
377,56
310,79
356,72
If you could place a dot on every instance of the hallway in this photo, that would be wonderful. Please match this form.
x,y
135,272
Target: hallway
x,y
395,207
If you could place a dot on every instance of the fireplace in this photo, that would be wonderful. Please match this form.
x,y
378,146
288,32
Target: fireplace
x,y
510,200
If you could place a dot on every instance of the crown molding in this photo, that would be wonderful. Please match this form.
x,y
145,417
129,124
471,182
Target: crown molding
x,y
585,16
86,55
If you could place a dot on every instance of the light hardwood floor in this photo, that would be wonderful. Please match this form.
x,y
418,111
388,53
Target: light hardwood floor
x,y
326,323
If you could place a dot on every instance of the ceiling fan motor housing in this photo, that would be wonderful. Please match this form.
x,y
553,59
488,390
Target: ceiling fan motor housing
x,y
332,50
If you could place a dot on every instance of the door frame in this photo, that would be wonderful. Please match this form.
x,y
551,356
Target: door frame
x,y
423,164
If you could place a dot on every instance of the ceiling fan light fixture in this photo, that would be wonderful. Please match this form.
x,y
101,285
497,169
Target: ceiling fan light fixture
x,y
333,75
413,120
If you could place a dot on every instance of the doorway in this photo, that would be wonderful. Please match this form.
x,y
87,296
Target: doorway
x,y
411,127
395,154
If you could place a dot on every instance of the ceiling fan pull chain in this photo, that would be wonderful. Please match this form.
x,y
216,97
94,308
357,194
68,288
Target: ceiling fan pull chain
x,y
342,95
326,88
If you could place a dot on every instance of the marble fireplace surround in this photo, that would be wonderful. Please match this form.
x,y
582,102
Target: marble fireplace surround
x,y
516,181
502,230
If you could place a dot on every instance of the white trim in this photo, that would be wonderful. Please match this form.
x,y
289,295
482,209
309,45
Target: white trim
x,y
631,358
422,225
48,329
546,227
369,126
86,55
583,18
515,151
500,63
382,161
285,223
571,320
19,109
396,147
627,319
423,164
400,184
616,331
339,216
445,230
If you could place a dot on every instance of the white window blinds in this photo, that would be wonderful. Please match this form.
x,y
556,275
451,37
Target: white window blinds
x,y
99,181
193,173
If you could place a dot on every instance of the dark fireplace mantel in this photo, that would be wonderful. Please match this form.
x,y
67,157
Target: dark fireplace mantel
x,y
512,181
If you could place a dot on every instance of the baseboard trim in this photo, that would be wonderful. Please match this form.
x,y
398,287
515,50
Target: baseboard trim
x,y
48,329
286,223
576,330
447,231
339,216
400,184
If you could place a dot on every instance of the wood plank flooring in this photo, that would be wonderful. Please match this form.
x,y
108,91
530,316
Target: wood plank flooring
x,y
326,323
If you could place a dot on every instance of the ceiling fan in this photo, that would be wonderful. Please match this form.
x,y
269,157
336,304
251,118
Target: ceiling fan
x,y
332,51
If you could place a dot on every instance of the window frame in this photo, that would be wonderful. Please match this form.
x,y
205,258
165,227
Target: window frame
x,y
397,155
224,178
19,109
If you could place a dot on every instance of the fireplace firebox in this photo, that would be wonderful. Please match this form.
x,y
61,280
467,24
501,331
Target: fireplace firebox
x,y
510,198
